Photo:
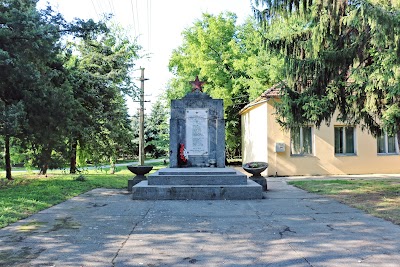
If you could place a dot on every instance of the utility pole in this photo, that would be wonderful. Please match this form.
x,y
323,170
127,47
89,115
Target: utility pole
x,y
141,119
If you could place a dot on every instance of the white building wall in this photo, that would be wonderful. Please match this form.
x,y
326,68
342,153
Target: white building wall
x,y
255,134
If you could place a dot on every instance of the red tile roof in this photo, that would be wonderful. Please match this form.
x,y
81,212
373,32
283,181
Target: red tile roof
x,y
272,92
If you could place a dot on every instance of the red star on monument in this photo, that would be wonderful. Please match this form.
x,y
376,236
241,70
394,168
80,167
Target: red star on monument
x,y
197,84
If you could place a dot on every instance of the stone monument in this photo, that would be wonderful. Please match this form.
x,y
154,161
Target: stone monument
x,y
197,155
197,125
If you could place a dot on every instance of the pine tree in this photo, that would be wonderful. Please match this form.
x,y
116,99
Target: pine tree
x,y
28,64
157,130
340,56
100,76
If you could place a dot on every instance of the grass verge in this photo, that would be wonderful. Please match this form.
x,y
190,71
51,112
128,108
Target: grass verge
x,y
379,198
30,193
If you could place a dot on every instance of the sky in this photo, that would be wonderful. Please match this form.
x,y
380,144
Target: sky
x,y
157,24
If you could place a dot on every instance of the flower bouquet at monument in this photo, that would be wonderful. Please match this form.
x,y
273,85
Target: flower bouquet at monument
x,y
182,155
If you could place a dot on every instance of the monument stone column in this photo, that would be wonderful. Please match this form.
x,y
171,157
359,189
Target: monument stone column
x,y
197,131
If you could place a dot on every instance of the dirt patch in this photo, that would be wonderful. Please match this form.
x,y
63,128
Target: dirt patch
x,y
31,226
380,204
65,223
20,257
11,183
378,197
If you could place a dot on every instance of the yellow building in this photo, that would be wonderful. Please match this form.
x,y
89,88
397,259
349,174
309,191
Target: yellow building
x,y
329,150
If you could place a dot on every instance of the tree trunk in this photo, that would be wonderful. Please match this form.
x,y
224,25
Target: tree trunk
x,y
7,156
112,165
45,159
398,137
72,168
43,169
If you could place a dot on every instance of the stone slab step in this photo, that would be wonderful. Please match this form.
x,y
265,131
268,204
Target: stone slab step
x,y
144,191
197,176
197,171
208,179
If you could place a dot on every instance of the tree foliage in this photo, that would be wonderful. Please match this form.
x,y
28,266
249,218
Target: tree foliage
x,y
340,56
29,69
157,130
99,76
229,58
49,95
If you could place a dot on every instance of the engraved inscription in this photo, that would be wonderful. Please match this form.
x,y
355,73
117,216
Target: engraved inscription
x,y
197,132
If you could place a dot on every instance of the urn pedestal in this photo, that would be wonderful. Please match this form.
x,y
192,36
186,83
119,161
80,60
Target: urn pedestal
x,y
140,172
256,168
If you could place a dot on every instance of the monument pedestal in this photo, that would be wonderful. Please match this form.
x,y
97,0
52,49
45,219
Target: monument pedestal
x,y
197,184
197,140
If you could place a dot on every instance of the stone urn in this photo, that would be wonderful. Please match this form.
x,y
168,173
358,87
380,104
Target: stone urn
x,y
140,172
256,168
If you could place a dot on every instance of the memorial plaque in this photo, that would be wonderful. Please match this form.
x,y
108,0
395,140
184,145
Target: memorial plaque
x,y
197,132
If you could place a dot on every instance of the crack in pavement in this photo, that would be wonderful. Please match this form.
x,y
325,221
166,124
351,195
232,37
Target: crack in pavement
x,y
330,227
308,262
287,229
311,208
129,235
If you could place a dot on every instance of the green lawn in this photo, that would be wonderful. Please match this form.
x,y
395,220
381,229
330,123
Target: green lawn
x,y
30,193
380,198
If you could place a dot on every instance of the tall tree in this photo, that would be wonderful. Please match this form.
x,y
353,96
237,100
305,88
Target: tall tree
x,y
100,76
228,58
33,90
28,49
157,130
48,119
340,56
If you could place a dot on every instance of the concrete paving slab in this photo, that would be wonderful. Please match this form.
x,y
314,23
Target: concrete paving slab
x,y
290,227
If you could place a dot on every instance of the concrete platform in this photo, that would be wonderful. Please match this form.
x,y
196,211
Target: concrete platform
x,y
144,191
197,184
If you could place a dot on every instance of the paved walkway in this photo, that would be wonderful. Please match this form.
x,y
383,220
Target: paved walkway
x,y
288,228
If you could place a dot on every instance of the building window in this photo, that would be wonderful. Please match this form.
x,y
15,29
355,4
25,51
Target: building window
x,y
344,140
301,141
387,144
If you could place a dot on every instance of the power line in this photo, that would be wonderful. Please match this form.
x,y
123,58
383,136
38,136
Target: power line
x,y
137,17
133,18
100,5
149,24
111,6
95,10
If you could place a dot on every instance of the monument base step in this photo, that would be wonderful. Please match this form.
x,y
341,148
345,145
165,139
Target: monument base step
x,y
144,191
197,176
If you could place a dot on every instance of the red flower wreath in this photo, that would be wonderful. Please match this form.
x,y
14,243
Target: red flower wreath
x,y
182,153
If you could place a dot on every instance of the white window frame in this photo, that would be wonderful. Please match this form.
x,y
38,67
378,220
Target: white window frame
x,y
387,146
302,153
354,153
